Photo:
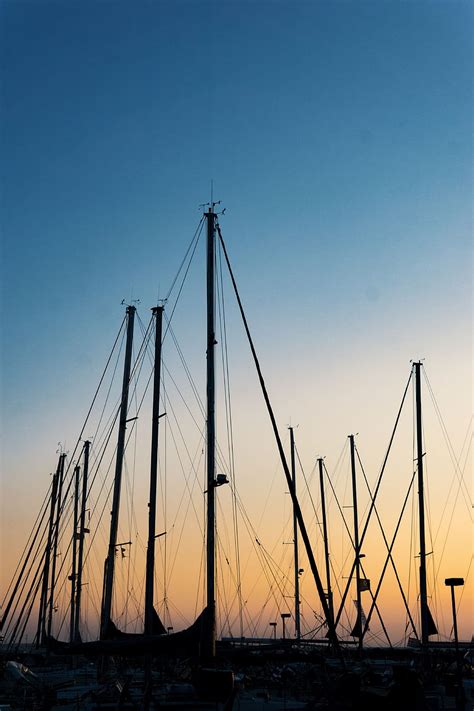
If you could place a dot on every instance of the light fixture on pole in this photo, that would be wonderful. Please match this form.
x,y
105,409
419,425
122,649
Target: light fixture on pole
x,y
284,616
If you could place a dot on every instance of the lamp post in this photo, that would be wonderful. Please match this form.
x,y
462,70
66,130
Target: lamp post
x,y
274,625
454,583
284,616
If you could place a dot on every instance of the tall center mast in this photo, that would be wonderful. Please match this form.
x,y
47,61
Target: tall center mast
x,y
211,432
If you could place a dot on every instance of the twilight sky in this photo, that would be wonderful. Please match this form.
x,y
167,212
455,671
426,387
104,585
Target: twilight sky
x,y
339,139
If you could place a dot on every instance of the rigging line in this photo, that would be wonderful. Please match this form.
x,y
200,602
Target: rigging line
x,y
185,620
172,563
182,397
28,615
33,533
184,259
93,510
114,414
108,469
96,433
31,543
263,555
195,392
230,431
253,535
389,548
446,537
463,588
338,470
114,452
190,458
186,479
414,518
222,588
307,486
431,559
377,609
26,580
377,487
198,232
186,369
268,571
79,439
367,484
235,580
454,459
412,536
133,519
466,440
39,569
164,489
19,597
434,596
453,506
254,530
340,508
389,557
66,505
286,470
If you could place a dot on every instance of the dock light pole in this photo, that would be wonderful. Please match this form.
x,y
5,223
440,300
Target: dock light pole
x,y
274,625
284,616
454,583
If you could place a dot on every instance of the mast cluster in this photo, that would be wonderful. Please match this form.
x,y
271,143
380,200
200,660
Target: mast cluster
x,y
47,579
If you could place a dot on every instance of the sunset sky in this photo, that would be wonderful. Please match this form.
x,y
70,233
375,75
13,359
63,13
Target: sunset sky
x,y
338,136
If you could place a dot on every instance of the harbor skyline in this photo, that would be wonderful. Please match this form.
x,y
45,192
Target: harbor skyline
x,y
338,137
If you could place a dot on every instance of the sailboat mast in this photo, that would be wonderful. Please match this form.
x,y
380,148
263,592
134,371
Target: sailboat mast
x,y
358,625
62,460
295,540
326,540
82,532
150,553
110,560
421,505
41,631
210,431
73,576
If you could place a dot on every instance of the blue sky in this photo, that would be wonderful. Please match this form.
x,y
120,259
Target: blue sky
x,y
338,136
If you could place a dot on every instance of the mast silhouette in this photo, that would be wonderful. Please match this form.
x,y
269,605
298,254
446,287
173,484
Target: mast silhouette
x,y
358,625
210,637
150,551
62,460
326,541
73,576
424,612
82,531
295,540
110,560
41,630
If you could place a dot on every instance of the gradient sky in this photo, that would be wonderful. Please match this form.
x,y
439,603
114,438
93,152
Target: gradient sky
x,y
339,139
